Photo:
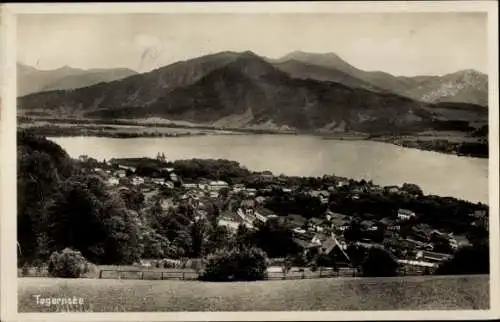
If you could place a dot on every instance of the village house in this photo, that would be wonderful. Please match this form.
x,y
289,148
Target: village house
x,y
250,192
158,181
248,204
120,173
136,181
432,257
482,223
173,177
260,217
459,241
376,189
415,267
315,224
392,189
405,214
388,224
260,200
203,186
189,186
368,225
339,222
169,184
479,214
113,181
245,218
218,185
266,175
342,183
125,167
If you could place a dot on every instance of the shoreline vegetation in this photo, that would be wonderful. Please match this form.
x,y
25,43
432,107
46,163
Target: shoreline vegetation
x,y
460,144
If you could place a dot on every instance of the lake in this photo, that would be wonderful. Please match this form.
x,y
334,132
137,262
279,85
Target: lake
x,y
301,155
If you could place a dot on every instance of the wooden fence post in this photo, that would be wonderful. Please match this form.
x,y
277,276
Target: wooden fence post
x,y
100,273
303,274
162,276
142,275
183,275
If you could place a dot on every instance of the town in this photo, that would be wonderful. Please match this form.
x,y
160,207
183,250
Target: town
x,y
334,221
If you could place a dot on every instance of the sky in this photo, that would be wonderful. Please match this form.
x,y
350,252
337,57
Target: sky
x,y
406,44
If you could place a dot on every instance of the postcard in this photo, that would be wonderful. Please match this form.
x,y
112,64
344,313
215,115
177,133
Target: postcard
x,y
249,161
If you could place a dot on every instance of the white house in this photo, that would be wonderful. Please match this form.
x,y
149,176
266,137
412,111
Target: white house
x,y
113,181
299,230
260,217
189,185
120,173
137,181
160,181
405,214
218,185
342,183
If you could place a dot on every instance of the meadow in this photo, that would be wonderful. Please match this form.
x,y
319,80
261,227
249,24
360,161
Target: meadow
x,y
398,293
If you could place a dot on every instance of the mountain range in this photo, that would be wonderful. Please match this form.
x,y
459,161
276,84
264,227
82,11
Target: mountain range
x,y
301,91
31,80
465,86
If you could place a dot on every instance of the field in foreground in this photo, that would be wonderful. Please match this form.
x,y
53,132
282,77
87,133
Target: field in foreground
x,y
399,293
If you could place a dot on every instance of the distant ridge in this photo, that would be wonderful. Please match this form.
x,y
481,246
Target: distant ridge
x,y
31,80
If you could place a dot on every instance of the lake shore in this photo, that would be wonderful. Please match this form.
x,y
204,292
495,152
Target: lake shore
x,y
458,143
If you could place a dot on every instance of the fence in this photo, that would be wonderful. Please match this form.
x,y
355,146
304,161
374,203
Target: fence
x,y
189,275
37,271
148,274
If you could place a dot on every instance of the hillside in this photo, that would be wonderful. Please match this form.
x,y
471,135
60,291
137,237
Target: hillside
x,y
31,80
240,90
466,86
303,70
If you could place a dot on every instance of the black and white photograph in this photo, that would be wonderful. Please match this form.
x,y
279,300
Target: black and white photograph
x,y
224,160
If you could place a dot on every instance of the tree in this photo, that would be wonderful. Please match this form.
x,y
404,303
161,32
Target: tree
x,y
467,260
412,189
379,263
133,199
73,220
353,233
238,264
122,231
275,239
243,237
154,245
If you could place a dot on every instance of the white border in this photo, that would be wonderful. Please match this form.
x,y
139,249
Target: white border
x,y
8,148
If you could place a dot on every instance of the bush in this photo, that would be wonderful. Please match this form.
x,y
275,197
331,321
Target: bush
x,y
247,264
379,263
67,264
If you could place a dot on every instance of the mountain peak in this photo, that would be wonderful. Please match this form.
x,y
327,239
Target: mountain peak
x,y
65,67
248,53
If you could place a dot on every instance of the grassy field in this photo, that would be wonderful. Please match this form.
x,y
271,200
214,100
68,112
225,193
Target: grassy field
x,y
401,293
